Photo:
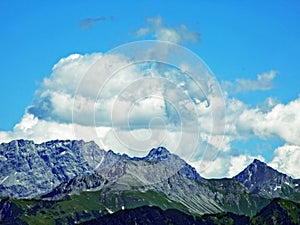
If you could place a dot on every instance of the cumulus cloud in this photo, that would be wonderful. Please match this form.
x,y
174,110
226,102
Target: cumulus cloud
x,y
226,165
268,104
286,160
130,110
282,121
273,120
269,120
54,99
176,34
263,82
133,107
32,128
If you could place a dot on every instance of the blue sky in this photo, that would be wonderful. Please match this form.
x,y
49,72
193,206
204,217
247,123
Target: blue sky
x,y
238,40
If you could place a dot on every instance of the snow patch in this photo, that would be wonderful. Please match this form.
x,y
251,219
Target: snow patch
x,y
62,153
99,163
277,187
4,179
2,158
109,211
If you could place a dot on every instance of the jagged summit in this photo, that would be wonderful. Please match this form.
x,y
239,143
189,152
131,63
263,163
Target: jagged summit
x,y
258,162
158,154
161,154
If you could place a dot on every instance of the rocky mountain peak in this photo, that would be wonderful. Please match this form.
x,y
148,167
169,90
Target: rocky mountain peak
x,y
158,154
258,162
257,170
259,178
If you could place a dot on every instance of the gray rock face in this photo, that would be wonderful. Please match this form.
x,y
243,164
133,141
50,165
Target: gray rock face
x,y
28,169
76,185
159,171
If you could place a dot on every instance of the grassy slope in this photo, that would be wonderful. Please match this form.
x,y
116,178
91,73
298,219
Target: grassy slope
x,y
279,211
89,205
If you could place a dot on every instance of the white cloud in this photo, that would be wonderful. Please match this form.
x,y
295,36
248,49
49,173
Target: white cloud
x,y
240,162
217,168
268,104
143,106
127,107
32,128
263,82
243,122
286,160
57,91
142,31
225,165
176,34
281,121
136,142
270,120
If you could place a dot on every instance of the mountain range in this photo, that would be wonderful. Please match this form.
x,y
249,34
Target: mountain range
x,y
75,182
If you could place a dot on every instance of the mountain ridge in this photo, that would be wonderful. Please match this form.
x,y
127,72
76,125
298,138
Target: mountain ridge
x,y
162,179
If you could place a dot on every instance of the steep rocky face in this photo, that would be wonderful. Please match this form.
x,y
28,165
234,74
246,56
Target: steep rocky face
x,y
235,197
263,180
76,185
161,155
163,172
160,171
29,169
197,196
